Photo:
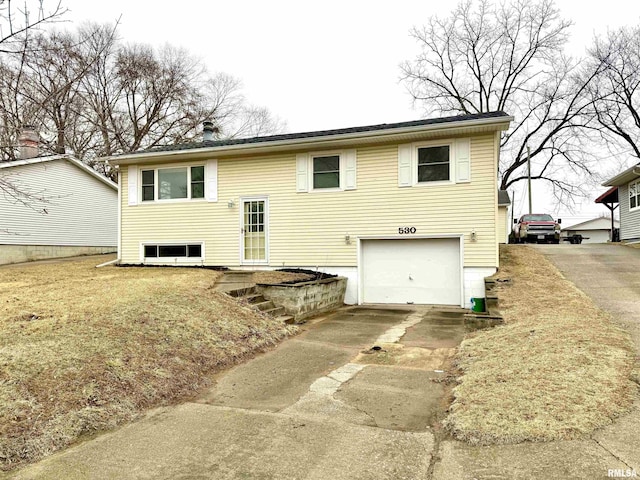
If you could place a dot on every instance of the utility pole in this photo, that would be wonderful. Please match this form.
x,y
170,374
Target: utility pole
x,y
529,167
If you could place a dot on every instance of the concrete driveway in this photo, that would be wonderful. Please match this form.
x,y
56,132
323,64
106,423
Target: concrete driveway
x,y
608,273
324,404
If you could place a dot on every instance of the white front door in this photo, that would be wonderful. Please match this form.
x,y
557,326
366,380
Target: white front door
x,y
254,230
420,271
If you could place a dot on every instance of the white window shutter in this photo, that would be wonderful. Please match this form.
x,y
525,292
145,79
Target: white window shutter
x,y
349,169
302,172
463,160
132,182
211,183
404,165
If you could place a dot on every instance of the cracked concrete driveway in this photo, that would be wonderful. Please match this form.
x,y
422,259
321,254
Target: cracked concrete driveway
x,y
321,405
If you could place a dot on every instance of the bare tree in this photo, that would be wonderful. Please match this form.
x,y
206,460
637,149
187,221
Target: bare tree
x,y
18,19
92,96
234,117
509,57
616,59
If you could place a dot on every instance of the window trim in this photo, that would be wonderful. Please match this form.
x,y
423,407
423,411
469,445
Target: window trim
x,y
636,183
341,171
431,144
156,184
172,260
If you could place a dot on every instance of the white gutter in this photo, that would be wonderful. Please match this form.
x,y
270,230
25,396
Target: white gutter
x,y
255,147
624,177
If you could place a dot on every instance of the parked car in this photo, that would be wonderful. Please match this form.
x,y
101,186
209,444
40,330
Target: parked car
x,y
537,227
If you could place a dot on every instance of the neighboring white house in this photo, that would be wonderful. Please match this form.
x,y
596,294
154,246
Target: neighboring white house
x,y
71,210
408,212
628,183
504,219
596,230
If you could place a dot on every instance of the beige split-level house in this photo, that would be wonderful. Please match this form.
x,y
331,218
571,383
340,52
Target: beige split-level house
x,y
408,212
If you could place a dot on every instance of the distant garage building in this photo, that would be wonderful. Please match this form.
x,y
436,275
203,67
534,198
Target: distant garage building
x,y
596,230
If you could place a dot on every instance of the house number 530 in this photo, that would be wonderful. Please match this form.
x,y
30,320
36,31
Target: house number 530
x,y
406,230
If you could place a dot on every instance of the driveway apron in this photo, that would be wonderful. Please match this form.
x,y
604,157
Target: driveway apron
x,y
323,404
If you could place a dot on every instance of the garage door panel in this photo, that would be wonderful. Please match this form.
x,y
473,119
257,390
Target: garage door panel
x,y
417,271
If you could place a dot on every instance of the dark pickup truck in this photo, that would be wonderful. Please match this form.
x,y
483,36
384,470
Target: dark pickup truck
x,y
537,228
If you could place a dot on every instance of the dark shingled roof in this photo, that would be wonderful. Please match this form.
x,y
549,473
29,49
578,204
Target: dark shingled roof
x,y
323,133
503,198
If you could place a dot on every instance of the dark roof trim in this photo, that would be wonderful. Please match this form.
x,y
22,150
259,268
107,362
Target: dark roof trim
x,y
327,133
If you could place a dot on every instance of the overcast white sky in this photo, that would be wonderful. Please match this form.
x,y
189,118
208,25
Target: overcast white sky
x,y
319,65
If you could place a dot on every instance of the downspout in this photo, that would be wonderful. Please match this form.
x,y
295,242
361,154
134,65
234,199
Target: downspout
x,y
117,260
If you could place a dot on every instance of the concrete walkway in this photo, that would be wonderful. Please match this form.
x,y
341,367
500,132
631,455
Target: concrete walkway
x,y
610,274
324,404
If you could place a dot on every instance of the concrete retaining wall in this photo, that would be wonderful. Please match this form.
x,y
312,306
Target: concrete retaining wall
x,y
28,253
304,300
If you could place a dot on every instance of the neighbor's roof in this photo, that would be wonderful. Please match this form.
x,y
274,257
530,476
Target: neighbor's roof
x,y
71,160
503,198
600,223
403,131
610,196
624,177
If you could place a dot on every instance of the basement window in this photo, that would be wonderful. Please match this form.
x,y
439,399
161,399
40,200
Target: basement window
x,y
187,252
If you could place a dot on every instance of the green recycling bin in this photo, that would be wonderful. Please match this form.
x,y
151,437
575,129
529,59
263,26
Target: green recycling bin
x,y
477,304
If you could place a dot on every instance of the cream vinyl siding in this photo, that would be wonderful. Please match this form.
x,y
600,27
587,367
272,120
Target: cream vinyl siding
x,y
309,228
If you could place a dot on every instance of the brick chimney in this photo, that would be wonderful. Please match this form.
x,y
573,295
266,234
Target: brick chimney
x,y
29,142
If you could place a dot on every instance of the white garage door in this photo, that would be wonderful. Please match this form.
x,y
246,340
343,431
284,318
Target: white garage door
x,y
417,271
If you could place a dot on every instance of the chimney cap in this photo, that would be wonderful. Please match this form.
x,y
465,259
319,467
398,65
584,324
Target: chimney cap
x,y
208,131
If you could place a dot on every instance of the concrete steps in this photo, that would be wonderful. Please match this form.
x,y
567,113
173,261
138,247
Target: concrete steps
x,y
256,300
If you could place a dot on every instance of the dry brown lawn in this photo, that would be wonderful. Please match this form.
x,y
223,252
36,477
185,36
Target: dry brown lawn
x,y
266,276
85,349
558,368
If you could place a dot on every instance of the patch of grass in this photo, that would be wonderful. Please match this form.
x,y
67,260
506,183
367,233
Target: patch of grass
x,y
85,349
273,277
558,368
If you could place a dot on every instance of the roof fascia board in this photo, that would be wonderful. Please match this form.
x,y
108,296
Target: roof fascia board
x,y
624,177
31,161
500,123
68,158
93,173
